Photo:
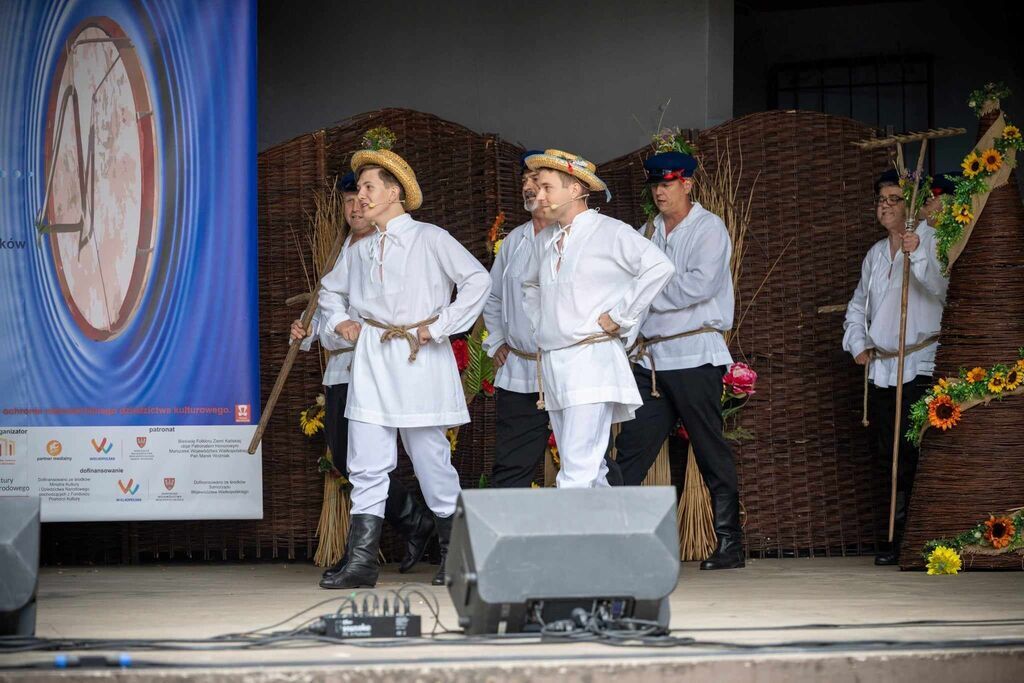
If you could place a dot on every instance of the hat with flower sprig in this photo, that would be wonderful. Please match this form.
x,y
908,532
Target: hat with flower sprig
x,y
377,143
572,164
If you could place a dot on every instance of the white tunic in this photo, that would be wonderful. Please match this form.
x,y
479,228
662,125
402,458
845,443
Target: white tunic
x,y
504,313
873,314
606,266
699,295
410,280
339,365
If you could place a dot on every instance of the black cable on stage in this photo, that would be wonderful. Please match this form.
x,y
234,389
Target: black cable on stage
x,y
582,627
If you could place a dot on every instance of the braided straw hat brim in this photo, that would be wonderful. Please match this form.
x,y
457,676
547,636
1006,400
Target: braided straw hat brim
x,y
558,163
395,165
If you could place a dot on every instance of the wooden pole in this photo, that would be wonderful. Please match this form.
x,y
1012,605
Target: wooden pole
x,y
293,349
897,140
911,224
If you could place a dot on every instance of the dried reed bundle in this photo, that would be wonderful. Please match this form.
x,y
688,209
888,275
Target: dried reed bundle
x,y
326,219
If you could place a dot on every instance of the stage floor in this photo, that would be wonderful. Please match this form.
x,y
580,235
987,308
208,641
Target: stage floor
x,y
741,607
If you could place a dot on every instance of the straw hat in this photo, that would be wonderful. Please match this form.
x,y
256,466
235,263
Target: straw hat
x,y
572,164
378,152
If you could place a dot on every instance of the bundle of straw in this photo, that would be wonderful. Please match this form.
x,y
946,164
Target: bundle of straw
x,y
326,219
332,529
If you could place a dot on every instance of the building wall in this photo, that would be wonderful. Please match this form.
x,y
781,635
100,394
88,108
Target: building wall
x,y
970,47
543,74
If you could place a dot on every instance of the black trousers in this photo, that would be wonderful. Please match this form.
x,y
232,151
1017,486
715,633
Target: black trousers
x,y
522,438
336,431
693,395
881,413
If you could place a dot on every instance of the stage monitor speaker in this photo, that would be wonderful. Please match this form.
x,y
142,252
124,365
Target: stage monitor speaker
x,y
520,558
19,565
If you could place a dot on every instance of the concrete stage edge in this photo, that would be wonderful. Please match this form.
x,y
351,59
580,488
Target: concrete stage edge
x,y
742,607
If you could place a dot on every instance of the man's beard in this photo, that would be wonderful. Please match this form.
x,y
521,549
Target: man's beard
x,y
530,203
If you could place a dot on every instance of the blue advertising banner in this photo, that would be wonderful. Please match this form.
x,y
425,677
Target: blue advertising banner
x,y
129,377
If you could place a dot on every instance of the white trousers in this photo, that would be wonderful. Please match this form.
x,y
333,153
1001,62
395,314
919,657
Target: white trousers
x,y
582,433
373,454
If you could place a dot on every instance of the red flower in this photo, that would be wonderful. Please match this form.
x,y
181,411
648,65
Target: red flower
x,y
551,441
461,350
681,432
487,387
740,380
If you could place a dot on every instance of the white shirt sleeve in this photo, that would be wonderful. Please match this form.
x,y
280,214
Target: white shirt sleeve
x,y
314,329
855,335
924,264
471,281
333,297
651,270
493,320
701,272
531,287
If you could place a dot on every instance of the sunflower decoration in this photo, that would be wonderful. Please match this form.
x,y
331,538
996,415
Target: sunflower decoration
x,y
944,560
1014,377
1011,133
962,213
453,438
992,160
997,383
999,531
943,413
1020,365
972,165
977,375
311,420
942,387
497,247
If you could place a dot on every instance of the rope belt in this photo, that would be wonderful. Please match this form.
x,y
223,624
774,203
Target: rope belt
x,y
598,338
402,332
875,354
640,349
523,354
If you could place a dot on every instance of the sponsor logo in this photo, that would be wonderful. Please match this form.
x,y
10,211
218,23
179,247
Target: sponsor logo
x,y
103,446
54,448
141,441
169,483
242,413
131,488
7,447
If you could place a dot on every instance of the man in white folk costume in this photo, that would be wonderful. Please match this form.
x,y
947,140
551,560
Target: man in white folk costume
x,y
522,427
588,286
402,510
682,355
872,327
394,298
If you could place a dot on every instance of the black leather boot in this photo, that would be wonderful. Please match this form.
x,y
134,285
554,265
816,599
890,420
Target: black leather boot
x,y
729,552
363,567
337,566
444,534
413,521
